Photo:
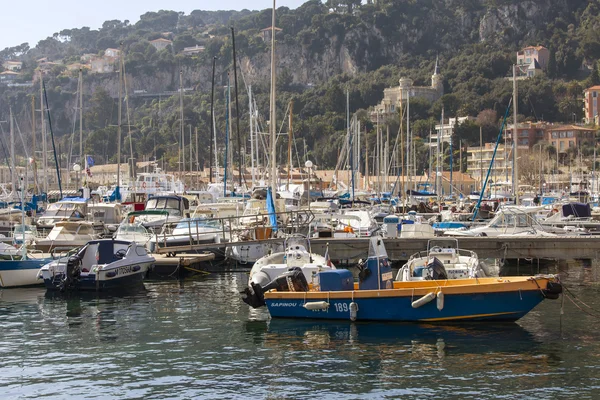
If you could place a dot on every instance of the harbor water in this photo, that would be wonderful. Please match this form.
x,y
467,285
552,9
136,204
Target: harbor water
x,y
195,338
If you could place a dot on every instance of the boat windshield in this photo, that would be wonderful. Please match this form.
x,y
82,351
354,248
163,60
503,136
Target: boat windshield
x,y
66,210
198,223
162,203
377,248
132,228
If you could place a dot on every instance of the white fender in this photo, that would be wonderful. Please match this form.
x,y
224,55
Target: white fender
x,y
423,300
317,305
353,311
440,301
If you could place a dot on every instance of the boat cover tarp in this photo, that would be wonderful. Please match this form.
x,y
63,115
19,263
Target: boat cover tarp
x,y
579,210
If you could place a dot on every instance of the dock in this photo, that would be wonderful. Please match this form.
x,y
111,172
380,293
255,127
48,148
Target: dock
x,y
563,247
179,265
350,250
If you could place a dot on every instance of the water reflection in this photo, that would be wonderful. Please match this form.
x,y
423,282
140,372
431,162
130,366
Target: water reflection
x,y
197,336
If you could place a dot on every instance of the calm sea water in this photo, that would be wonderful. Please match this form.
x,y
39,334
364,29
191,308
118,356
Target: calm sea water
x,y
196,339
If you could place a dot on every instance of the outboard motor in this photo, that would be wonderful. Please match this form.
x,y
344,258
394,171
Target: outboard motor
x,y
72,273
291,281
435,270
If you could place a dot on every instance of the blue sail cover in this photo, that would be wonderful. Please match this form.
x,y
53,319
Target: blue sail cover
x,y
271,210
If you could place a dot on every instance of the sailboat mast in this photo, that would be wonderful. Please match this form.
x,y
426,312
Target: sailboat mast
x,y
33,135
290,135
408,138
43,132
272,125
515,139
12,151
181,136
80,121
237,109
119,119
212,123
251,118
480,158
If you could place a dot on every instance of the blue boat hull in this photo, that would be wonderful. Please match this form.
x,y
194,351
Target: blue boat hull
x,y
498,306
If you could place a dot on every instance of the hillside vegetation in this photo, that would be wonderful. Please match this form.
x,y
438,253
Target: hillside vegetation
x,y
322,51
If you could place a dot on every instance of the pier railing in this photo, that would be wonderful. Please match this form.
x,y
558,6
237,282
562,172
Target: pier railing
x,y
205,233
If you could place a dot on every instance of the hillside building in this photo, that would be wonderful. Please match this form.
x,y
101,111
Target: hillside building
x,y
396,97
14,66
532,60
161,43
446,129
189,51
9,76
528,133
590,105
569,136
479,159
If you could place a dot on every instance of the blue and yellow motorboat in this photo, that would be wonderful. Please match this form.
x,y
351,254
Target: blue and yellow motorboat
x,y
377,297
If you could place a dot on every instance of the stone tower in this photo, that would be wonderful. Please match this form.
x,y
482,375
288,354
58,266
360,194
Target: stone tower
x,y
437,80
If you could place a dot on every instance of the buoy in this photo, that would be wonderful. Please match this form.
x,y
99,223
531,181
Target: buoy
x,y
317,305
440,301
353,311
423,300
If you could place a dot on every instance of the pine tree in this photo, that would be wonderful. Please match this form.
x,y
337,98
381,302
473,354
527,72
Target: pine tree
x,y
552,64
594,78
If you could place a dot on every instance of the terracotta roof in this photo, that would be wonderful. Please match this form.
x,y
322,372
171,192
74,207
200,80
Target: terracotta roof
x,y
597,87
572,127
534,47
161,40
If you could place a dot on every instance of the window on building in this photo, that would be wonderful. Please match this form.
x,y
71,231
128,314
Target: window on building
x,y
570,134
524,141
571,143
562,145
594,94
554,135
563,134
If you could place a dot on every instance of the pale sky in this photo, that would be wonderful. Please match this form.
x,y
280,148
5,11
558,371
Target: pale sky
x,y
34,20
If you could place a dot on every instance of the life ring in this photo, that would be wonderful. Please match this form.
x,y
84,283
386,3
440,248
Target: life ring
x,y
143,185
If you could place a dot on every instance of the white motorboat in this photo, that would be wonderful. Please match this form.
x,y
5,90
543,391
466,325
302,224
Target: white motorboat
x,y
70,234
442,260
160,210
510,221
296,254
100,265
196,230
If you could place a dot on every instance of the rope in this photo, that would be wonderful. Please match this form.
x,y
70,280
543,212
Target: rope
x,y
197,270
579,300
581,309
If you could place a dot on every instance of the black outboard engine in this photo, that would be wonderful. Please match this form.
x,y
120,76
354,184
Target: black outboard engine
x,y
436,270
291,281
72,274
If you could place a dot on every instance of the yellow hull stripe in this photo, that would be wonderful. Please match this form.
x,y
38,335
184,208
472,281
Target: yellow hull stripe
x,y
466,317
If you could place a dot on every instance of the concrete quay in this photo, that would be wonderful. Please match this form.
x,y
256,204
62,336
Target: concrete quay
x,y
563,247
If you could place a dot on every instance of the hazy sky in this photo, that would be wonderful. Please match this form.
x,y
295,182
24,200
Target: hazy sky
x,y
31,21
